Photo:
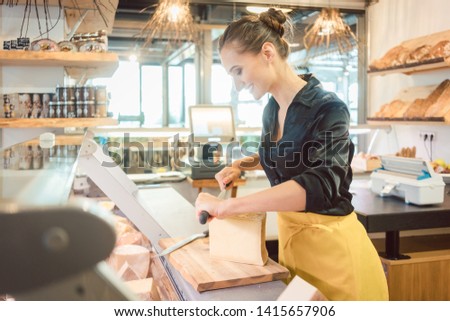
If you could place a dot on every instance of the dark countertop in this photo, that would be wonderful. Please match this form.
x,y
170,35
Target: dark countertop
x,y
392,215
382,214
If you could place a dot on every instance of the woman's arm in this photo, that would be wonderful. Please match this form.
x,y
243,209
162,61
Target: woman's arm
x,y
233,172
248,163
288,196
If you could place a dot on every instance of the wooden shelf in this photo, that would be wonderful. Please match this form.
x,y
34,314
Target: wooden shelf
x,y
407,122
77,64
62,140
56,122
442,63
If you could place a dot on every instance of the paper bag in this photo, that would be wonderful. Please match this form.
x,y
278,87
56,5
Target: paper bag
x,y
240,239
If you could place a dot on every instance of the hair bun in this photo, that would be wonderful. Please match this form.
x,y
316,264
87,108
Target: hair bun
x,y
274,19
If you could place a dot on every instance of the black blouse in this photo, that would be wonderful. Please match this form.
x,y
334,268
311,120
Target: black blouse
x,y
315,149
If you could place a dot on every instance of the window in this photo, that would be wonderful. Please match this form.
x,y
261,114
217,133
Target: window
x,y
123,88
152,95
190,89
176,96
247,110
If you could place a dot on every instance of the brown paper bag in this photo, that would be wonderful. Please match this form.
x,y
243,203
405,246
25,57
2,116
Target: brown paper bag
x,y
240,239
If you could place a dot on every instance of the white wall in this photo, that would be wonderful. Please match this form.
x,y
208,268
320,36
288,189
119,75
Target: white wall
x,y
391,22
29,79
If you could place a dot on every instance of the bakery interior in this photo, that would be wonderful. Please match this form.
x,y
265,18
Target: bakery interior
x,y
93,189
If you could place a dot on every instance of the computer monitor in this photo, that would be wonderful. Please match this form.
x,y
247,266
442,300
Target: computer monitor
x,y
212,123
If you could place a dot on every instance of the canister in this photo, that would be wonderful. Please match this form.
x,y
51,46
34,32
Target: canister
x,y
102,109
89,108
79,109
101,94
70,109
88,93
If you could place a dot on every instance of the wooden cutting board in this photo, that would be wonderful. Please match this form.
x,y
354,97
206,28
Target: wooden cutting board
x,y
204,273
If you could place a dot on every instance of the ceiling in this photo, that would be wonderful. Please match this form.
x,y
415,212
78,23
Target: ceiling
x,y
131,15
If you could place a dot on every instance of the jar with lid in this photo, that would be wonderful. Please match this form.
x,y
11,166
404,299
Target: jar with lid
x,y
70,109
89,108
102,109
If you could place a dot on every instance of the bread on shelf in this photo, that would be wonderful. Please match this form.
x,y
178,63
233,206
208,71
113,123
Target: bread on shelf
x,y
441,49
427,49
417,55
394,109
442,104
417,109
394,57
434,105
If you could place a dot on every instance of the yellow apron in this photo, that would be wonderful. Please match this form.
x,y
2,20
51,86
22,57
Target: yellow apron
x,y
333,253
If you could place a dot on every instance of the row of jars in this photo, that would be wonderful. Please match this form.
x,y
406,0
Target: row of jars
x,y
81,109
81,93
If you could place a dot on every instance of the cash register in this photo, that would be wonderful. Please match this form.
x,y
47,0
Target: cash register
x,y
212,135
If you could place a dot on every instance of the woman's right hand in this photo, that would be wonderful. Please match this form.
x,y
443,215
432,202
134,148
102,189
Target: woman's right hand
x,y
227,176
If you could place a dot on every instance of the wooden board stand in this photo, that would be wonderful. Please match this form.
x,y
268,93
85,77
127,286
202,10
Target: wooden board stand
x,y
204,273
423,277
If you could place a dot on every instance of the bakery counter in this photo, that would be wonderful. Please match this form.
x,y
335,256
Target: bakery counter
x,y
32,175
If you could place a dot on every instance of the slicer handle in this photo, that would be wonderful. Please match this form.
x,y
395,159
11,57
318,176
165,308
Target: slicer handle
x,y
204,215
203,218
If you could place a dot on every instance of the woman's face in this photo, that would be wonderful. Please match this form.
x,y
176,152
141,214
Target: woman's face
x,y
249,71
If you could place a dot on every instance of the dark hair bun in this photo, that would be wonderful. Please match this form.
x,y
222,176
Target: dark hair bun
x,y
274,19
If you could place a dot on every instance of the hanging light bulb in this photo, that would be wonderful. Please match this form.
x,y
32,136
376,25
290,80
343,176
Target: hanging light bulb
x,y
329,28
173,13
171,21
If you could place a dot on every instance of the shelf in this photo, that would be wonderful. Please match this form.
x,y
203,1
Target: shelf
x,y
370,126
70,140
87,64
407,122
432,65
56,122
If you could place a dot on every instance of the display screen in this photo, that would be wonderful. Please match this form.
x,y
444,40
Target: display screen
x,y
211,123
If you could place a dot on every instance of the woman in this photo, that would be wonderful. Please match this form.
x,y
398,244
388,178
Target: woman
x,y
305,151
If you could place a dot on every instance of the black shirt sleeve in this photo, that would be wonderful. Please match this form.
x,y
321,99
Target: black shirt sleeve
x,y
327,156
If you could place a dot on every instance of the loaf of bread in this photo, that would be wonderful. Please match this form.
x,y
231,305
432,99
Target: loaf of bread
x,y
420,107
418,54
447,117
400,109
417,109
441,104
394,109
441,107
441,49
394,57
383,111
